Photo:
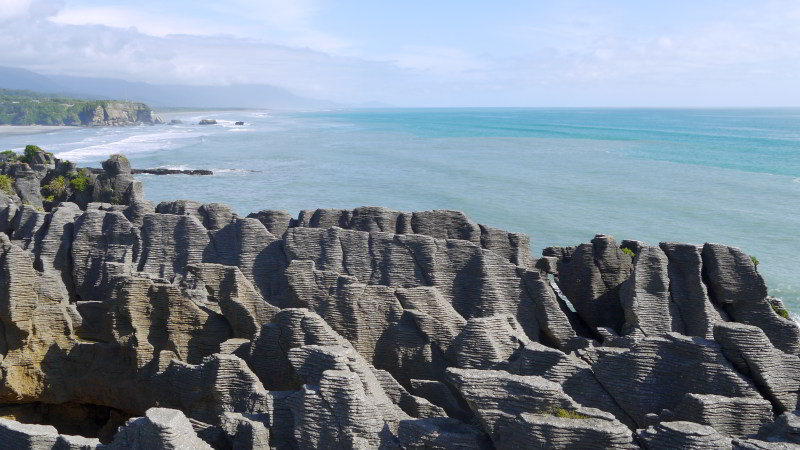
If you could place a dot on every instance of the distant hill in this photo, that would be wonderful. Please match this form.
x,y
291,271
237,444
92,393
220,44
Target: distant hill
x,y
22,107
234,96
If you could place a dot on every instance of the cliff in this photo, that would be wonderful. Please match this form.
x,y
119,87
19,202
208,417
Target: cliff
x,y
30,108
118,113
184,324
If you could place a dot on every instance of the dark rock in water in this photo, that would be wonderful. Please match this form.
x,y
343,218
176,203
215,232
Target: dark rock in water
x,y
161,171
175,122
207,122
239,123
194,327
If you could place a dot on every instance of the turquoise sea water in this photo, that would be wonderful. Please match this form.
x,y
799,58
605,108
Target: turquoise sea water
x,y
559,175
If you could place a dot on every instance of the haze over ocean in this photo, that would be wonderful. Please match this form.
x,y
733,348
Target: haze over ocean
x,y
559,175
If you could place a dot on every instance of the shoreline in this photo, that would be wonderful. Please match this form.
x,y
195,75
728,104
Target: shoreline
x,y
32,129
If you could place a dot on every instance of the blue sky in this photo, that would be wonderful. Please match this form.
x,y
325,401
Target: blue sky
x,y
415,53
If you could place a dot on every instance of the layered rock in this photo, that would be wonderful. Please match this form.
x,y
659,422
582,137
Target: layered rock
x,y
188,325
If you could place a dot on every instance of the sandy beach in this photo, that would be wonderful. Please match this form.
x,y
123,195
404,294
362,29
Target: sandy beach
x,y
30,129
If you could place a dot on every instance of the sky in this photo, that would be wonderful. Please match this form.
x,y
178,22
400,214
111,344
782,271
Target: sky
x,y
428,53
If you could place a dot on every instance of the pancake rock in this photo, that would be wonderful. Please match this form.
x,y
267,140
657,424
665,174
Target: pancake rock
x,y
125,325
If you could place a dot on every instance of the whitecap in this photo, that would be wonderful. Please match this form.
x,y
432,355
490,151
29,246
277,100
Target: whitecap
x,y
137,143
234,171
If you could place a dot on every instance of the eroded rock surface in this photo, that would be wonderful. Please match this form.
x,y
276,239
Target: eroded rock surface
x,y
129,326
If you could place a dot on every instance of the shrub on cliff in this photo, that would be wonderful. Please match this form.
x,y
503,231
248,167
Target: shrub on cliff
x,y
56,188
6,185
29,155
79,181
628,252
8,155
30,151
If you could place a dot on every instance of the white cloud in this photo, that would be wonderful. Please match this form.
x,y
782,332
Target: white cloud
x,y
745,56
153,24
13,9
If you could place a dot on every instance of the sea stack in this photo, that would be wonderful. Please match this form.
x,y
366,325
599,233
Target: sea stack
x,y
129,325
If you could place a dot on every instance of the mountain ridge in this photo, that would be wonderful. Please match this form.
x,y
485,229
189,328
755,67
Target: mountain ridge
x,y
168,95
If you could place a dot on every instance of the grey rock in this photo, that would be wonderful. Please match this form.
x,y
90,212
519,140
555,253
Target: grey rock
x,y
735,284
534,431
259,255
688,290
756,444
15,435
26,225
440,433
656,373
116,184
105,245
486,342
645,296
591,277
8,210
443,224
439,394
732,416
240,303
672,435
775,373
276,222
498,398
170,243
573,374
52,248
219,384
410,404
439,224
786,428
27,186
159,428
117,165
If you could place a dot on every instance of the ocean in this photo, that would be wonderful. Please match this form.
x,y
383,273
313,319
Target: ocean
x,y
559,175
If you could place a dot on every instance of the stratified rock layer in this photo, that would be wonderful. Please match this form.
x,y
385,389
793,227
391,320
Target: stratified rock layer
x,y
130,326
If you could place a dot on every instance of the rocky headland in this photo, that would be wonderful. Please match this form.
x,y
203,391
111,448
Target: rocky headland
x,y
31,108
119,113
129,325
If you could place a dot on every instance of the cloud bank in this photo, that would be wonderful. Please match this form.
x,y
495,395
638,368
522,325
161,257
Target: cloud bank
x,y
743,54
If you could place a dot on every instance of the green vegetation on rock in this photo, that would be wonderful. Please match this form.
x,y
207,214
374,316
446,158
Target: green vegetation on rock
x,y
8,155
567,414
628,252
6,185
79,181
30,153
55,188
32,108
780,311
755,260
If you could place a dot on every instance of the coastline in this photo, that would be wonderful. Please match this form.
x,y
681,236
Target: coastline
x,y
32,129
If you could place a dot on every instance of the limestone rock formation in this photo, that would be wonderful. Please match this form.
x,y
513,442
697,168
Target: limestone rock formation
x,y
129,326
